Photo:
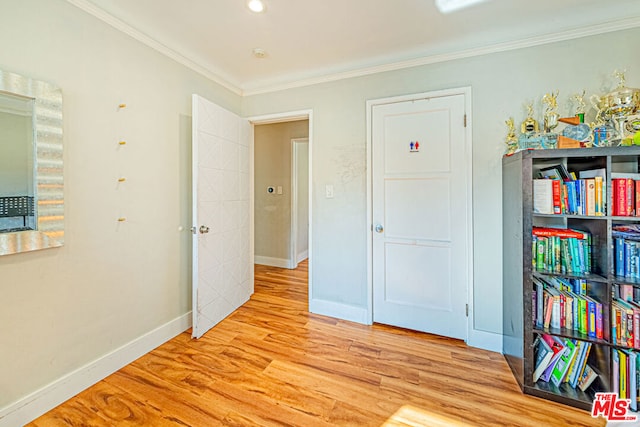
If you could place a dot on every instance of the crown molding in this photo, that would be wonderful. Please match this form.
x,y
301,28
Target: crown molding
x,y
592,30
127,29
269,87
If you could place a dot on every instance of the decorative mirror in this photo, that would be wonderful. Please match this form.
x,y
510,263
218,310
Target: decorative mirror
x,y
31,180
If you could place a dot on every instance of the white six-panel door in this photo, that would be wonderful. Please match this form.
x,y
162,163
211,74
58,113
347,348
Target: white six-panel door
x,y
222,213
419,213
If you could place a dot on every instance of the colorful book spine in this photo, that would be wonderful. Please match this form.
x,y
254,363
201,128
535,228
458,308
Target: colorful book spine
x,y
637,203
599,321
619,256
600,211
555,188
590,205
625,197
622,377
591,318
633,380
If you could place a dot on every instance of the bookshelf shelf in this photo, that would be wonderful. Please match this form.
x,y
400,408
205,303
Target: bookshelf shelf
x,y
565,333
625,218
521,278
567,395
587,277
625,281
569,216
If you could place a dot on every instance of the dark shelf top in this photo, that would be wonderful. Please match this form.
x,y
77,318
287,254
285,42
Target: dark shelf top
x,y
572,152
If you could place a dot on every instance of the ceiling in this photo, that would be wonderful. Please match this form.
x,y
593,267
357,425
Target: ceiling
x,y
309,41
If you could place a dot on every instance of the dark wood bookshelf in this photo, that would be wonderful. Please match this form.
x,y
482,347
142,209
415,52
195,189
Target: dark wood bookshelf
x,y
519,331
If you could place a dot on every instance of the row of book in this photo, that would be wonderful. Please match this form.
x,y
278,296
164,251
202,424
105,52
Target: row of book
x,y
561,251
626,375
565,361
578,197
625,323
626,195
562,360
626,292
625,316
558,191
564,304
626,250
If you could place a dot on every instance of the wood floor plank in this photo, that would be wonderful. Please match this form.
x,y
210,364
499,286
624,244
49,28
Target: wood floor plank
x,y
272,363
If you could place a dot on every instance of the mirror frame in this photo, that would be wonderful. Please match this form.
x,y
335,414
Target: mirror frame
x,y
48,166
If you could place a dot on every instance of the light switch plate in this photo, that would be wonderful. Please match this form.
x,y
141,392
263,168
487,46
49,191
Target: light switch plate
x,y
328,191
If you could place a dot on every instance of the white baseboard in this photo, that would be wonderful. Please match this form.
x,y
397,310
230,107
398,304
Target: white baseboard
x,y
341,311
302,256
273,262
48,397
477,338
485,340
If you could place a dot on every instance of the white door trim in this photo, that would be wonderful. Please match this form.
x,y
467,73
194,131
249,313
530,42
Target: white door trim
x,y
289,117
466,92
294,200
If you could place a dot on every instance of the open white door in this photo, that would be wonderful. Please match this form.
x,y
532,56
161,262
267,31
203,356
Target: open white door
x,y
222,213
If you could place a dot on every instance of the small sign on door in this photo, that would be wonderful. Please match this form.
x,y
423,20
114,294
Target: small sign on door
x,y
414,147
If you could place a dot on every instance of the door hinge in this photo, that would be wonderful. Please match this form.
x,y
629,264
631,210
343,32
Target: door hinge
x,y
466,309
465,120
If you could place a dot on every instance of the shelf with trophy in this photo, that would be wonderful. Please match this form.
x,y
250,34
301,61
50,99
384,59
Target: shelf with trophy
x,y
571,249
616,122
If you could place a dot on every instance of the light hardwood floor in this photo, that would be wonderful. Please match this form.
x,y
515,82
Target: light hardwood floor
x,y
272,363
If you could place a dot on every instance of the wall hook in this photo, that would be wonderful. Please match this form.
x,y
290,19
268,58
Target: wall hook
x,y
122,219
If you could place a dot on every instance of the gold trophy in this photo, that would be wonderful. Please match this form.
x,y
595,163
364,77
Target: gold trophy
x,y
551,116
614,107
511,140
581,106
530,125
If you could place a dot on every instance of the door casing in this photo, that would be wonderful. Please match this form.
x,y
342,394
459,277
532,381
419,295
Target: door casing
x,y
289,117
295,218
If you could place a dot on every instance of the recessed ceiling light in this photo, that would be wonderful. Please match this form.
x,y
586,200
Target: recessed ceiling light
x,y
258,52
448,6
256,5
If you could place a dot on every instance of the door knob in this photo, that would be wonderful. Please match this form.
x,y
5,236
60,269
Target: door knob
x,y
204,229
379,228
